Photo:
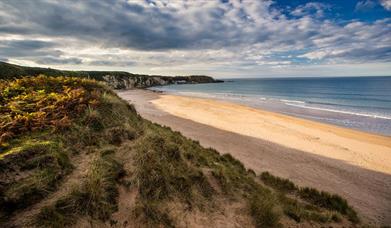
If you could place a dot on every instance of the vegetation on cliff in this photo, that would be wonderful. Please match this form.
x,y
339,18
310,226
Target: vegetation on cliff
x,y
91,157
115,79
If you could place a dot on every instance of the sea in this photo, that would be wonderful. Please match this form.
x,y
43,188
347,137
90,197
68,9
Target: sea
x,y
362,103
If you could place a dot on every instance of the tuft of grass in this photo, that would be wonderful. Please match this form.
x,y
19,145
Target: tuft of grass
x,y
329,201
152,214
251,172
116,135
29,190
93,119
317,198
25,149
336,217
262,209
228,159
53,217
162,174
278,183
96,197
46,162
300,211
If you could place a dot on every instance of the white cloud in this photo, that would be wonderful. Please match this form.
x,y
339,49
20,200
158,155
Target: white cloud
x,y
386,4
185,36
311,8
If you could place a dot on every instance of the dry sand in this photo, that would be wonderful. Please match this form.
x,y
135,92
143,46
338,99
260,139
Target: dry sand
x,y
351,163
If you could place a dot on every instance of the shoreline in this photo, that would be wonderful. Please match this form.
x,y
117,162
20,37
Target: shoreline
x,y
296,115
348,162
378,124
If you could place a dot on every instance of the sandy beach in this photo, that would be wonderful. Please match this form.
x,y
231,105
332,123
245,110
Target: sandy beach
x,y
354,164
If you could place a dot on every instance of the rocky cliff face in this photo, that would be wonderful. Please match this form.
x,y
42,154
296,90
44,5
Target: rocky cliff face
x,y
130,82
133,82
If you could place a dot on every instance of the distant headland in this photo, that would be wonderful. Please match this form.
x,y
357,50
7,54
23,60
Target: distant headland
x,y
115,79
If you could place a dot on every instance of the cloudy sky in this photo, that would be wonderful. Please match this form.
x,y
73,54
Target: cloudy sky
x,y
222,38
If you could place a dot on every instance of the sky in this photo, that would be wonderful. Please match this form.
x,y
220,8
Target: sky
x,y
221,38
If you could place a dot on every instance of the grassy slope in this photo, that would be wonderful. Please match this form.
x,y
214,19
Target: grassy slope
x,y
11,71
167,171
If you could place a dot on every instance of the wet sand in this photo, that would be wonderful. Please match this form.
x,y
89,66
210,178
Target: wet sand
x,y
351,163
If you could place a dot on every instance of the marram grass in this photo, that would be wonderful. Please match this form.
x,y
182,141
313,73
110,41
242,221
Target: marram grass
x,y
47,122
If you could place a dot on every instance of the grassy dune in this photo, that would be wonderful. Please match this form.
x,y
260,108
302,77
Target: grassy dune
x,y
68,145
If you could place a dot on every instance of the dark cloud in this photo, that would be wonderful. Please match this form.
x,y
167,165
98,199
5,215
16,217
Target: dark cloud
x,y
118,23
27,48
245,28
27,44
366,54
131,25
365,5
112,63
58,61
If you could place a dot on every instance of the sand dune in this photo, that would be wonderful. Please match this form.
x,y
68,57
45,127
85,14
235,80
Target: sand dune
x,y
351,163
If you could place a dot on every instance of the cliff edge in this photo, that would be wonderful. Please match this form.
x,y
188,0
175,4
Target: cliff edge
x,y
115,79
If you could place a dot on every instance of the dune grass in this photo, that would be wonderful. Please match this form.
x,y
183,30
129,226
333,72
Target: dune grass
x,y
316,198
166,168
170,167
45,162
162,175
96,197
35,160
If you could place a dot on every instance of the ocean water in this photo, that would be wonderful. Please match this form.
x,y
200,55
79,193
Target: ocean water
x,y
362,103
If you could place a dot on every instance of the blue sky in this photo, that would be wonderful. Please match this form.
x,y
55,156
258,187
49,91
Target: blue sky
x,y
222,38
346,10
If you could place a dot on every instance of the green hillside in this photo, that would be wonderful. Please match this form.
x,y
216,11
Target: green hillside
x,y
115,79
73,153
